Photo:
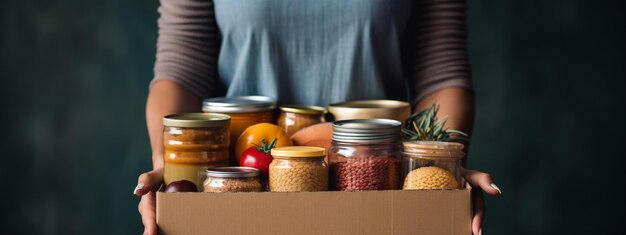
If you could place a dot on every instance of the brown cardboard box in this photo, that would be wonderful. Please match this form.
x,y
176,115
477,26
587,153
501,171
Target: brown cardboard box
x,y
430,212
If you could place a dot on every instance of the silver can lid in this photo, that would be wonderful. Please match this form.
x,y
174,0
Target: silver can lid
x,y
366,130
238,104
232,172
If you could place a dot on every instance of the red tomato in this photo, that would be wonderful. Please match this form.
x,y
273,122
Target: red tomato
x,y
258,157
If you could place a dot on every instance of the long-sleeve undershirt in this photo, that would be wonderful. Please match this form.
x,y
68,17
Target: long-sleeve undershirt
x,y
313,52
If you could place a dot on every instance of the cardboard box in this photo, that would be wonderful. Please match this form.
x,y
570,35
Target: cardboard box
x,y
430,212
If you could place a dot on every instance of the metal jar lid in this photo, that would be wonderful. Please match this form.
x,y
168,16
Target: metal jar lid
x,y
238,104
366,130
232,172
196,120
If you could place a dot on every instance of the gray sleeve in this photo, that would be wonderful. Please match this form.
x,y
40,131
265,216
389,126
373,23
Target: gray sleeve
x,y
187,46
441,58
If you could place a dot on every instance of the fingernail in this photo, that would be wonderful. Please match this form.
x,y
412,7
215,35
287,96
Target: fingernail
x,y
480,232
496,187
139,186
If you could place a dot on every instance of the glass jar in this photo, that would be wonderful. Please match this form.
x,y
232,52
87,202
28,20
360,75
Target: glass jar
x,y
298,169
194,142
244,111
365,155
292,118
432,165
232,179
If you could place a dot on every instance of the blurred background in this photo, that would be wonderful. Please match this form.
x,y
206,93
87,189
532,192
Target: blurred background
x,y
549,78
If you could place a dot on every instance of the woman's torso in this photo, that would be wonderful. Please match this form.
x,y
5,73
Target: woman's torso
x,y
313,52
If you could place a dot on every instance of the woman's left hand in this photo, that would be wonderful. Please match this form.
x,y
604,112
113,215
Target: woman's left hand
x,y
480,182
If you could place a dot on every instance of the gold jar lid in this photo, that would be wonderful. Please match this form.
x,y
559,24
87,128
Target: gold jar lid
x,y
196,120
368,109
303,109
298,151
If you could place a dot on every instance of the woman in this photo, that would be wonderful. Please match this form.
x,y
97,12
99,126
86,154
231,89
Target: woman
x,y
311,53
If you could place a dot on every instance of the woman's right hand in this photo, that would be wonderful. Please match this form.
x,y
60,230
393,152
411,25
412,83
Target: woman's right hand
x,y
147,185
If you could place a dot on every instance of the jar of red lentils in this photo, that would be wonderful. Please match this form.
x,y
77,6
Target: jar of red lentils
x,y
365,155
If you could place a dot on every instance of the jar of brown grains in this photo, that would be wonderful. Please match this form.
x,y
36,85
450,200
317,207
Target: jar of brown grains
x,y
232,179
365,155
298,169
432,165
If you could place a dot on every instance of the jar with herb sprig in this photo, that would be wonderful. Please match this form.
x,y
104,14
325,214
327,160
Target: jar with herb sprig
x,y
431,157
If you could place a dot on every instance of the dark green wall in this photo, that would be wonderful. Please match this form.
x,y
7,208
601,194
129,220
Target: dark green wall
x,y
549,78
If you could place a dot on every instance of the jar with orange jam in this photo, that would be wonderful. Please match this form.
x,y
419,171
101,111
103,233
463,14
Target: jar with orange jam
x,y
293,118
244,111
194,142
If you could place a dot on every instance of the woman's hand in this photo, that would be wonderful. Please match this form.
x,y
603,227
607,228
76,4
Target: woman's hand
x,y
147,185
480,182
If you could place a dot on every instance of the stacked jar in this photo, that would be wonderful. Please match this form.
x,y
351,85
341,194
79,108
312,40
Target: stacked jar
x,y
293,118
298,169
232,179
194,142
432,165
365,155
244,111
